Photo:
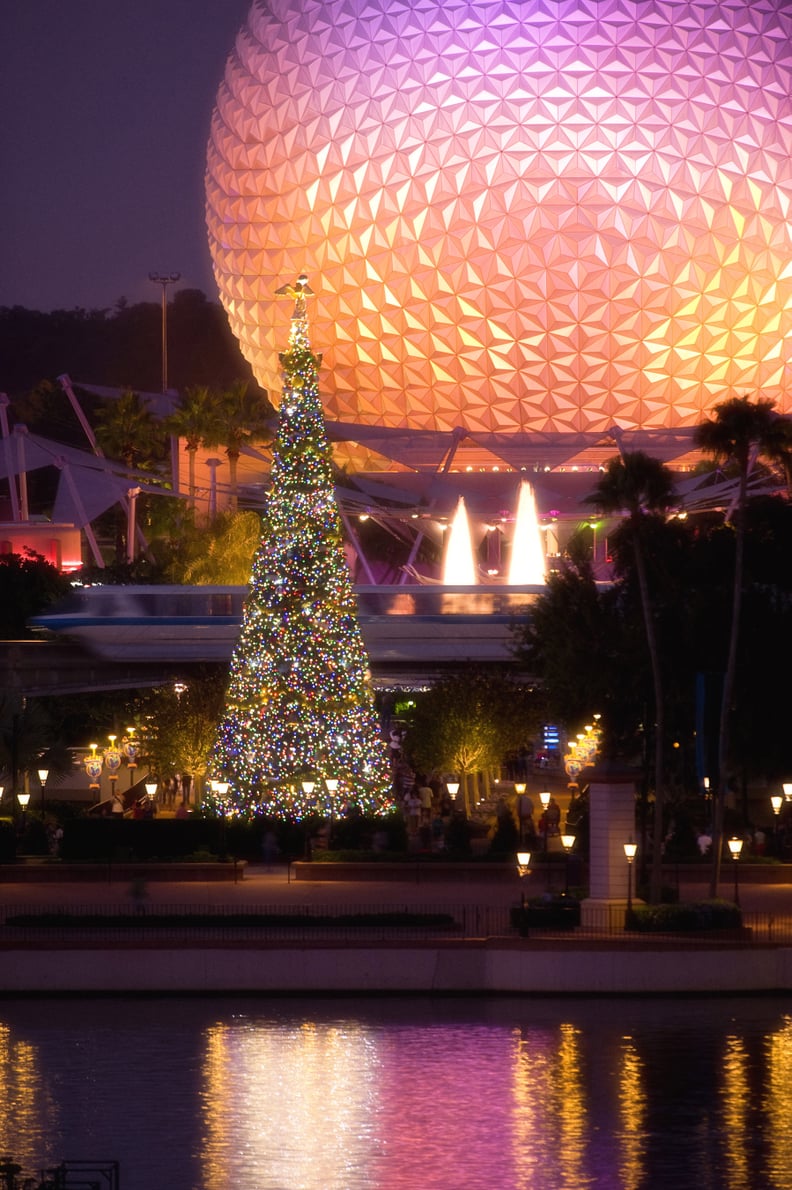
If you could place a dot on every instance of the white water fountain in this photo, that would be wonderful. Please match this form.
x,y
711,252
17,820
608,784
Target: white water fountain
x,y
459,566
527,566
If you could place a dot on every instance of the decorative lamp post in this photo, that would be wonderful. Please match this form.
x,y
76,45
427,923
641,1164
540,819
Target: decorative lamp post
x,y
151,790
130,747
42,776
453,790
629,852
735,847
567,842
93,767
519,788
787,787
23,797
112,759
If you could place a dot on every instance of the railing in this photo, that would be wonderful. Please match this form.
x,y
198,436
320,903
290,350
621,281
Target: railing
x,y
151,924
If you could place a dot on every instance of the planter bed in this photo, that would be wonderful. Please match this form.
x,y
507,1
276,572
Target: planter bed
x,y
421,871
48,872
397,919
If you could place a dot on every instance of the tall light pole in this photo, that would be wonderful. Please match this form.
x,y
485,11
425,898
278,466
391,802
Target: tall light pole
x,y
164,279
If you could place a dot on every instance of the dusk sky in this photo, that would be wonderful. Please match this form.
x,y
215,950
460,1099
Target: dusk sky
x,y
106,109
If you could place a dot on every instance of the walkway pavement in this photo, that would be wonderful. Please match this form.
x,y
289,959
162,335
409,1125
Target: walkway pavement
x,y
275,886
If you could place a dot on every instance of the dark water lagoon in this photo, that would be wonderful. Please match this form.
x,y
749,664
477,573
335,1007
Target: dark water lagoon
x,y
402,1094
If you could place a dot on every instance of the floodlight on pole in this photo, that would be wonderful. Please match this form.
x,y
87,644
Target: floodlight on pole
x,y
164,279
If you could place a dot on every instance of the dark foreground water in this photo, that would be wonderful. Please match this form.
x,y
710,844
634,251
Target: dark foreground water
x,y
403,1094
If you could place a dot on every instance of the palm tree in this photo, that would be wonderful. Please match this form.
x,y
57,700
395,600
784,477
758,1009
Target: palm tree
x,y
739,432
197,419
126,429
225,551
246,417
642,487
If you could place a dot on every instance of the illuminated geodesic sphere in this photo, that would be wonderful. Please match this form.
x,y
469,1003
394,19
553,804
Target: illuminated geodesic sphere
x,y
514,214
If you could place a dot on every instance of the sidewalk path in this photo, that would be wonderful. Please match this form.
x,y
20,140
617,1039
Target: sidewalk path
x,y
272,886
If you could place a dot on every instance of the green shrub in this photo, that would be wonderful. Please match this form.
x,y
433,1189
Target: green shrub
x,y
685,917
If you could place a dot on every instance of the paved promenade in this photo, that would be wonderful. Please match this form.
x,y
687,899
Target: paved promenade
x,y
275,885
493,962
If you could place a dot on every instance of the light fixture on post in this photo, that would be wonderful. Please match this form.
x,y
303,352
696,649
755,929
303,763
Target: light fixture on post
x,y
787,787
544,798
23,797
112,759
735,847
776,801
331,785
130,747
42,776
221,789
567,842
629,851
523,869
93,767
151,790
453,790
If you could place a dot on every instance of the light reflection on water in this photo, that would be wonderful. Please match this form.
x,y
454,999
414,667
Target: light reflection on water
x,y
403,1094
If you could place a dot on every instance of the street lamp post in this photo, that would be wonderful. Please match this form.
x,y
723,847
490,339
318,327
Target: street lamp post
x,y
524,869
42,776
776,801
164,279
221,789
629,852
735,847
544,798
567,842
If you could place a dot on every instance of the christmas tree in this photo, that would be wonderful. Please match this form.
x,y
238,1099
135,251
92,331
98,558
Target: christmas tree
x,y
299,732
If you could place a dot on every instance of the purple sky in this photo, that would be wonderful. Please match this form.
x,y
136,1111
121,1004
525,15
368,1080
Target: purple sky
x,y
105,117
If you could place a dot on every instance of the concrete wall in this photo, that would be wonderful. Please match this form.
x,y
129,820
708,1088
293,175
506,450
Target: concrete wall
x,y
523,967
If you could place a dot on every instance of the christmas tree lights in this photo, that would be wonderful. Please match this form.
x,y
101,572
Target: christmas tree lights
x,y
299,732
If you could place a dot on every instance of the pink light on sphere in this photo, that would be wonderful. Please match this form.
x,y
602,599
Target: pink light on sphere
x,y
514,215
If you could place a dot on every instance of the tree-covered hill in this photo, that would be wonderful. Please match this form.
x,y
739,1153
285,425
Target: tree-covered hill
x,y
120,347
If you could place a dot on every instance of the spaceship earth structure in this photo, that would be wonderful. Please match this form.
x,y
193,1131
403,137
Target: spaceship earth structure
x,y
515,214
